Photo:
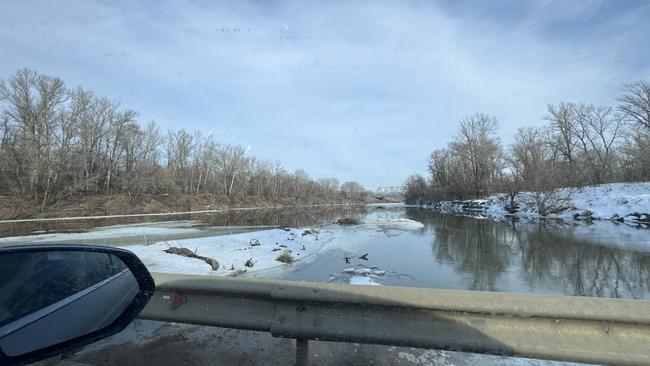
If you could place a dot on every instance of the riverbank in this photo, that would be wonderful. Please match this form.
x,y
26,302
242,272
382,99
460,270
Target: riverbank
x,y
620,202
240,250
404,246
17,208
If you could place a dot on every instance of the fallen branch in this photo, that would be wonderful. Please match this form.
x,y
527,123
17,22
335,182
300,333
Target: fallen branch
x,y
188,253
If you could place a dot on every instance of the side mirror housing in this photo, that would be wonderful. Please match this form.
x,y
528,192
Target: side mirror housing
x,y
55,298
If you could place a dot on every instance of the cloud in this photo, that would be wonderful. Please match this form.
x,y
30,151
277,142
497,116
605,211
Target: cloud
x,y
357,91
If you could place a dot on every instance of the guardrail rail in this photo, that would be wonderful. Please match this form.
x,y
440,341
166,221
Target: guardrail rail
x,y
580,329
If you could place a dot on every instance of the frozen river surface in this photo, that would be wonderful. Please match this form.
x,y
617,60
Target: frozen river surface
x,y
394,245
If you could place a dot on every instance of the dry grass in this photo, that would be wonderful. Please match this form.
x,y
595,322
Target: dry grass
x,y
18,207
285,257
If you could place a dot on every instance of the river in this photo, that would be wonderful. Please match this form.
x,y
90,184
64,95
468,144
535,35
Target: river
x,y
453,252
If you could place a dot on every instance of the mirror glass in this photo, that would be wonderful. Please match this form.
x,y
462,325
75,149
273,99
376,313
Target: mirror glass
x,y
48,297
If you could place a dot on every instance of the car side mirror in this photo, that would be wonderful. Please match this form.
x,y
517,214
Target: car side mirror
x,y
55,298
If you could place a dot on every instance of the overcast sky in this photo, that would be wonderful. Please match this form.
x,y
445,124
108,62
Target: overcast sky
x,y
354,90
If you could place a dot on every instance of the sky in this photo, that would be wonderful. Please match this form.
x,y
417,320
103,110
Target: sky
x,y
354,90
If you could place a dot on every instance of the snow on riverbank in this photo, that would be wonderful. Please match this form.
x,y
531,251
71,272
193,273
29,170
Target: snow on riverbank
x,y
627,202
231,251
620,200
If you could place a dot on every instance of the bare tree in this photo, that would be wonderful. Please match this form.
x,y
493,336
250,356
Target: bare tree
x,y
479,148
636,159
510,183
561,137
180,147
531,158
231,162
597,129
449,175
635,106
56,142
635,103
352,190
34,104
416,189
528,155
141,159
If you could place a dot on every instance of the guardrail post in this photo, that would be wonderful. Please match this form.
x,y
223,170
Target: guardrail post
x,y
302,351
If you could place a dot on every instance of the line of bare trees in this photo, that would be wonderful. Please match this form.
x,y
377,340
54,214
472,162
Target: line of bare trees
x,y
57,142
580,144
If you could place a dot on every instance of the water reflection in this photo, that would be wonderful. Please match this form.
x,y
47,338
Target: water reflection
x,y
294,217
556,256
544,256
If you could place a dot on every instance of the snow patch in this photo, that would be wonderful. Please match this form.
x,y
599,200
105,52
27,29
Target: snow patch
x,y
362,280
108,232
231,251
627,202
404,224
137,332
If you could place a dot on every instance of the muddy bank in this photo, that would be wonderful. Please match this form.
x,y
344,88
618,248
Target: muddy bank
x,y
12,208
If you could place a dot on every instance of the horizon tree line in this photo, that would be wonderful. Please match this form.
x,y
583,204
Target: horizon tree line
x,y
580,144
57,142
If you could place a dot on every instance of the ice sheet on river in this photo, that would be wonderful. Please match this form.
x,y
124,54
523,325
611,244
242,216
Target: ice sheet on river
x,y
362,280
404,224
141,230
232,251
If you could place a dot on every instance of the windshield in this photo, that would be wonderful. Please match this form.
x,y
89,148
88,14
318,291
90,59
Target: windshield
x,y
501,146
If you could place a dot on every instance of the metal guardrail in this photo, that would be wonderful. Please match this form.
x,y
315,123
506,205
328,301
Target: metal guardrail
x,y
593,330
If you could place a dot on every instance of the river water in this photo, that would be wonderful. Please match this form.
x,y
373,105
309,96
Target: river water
x,y
453,252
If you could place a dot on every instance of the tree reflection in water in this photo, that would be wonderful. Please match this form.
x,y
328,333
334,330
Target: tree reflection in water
x,y
548,256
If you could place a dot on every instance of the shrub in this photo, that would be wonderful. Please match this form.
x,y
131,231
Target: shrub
x,y
285,257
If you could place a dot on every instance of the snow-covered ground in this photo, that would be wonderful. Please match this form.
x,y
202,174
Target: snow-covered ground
x,y
610,201
231,251
627,202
